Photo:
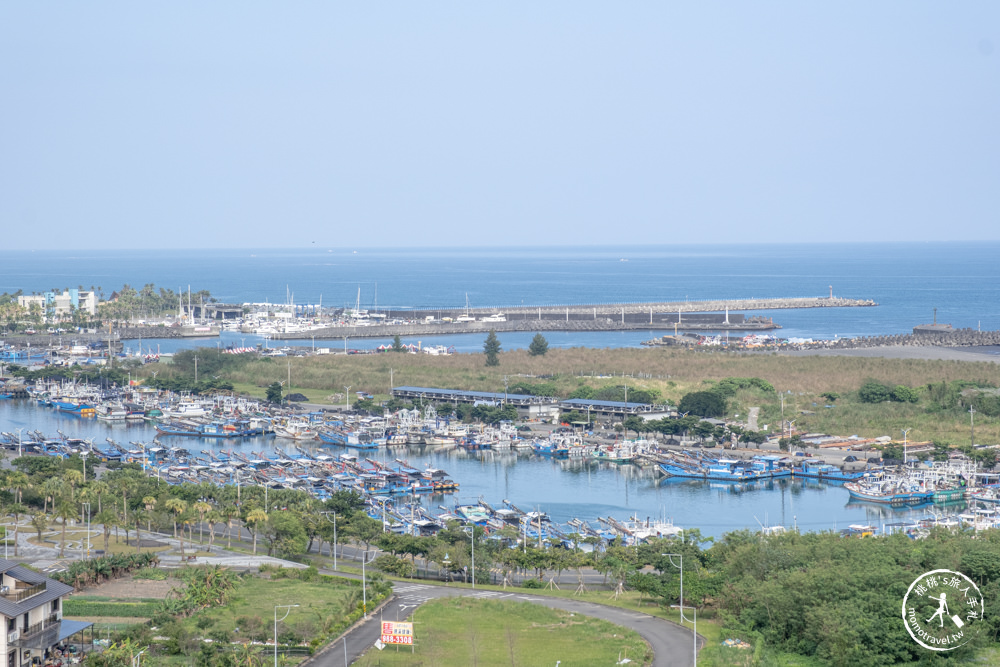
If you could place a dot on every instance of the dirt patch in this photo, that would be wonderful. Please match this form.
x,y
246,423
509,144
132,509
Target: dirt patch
x,y
129,587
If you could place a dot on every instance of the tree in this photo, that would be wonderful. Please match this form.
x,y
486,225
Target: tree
x,y
492,349
539,346
703,404
255,517
274,392
397,344
65,510
202,508
176,506
39,521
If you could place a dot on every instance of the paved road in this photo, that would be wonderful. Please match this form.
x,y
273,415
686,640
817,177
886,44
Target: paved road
x,y
672,645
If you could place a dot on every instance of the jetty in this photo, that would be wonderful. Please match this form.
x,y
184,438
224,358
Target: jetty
x,y
688,316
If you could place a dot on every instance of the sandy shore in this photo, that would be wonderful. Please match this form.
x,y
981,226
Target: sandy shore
x,y
908,352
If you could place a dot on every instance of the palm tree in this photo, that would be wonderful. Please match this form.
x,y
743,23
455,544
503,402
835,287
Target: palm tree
x,y
107,519
150,503
51,489
39,521
256,517
65,509
99,488
17,509
177,506
214,518
231,512
126,485
201,507
18,481
74,478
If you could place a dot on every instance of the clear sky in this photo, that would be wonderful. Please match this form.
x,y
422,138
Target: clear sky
x,y
283,124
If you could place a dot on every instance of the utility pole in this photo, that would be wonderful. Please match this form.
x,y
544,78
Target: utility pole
x,y
972,424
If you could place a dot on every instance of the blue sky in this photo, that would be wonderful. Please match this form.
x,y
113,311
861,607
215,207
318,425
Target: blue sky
x,y
247,124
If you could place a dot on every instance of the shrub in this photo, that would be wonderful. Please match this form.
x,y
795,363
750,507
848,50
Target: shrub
x,y
874,392
903,394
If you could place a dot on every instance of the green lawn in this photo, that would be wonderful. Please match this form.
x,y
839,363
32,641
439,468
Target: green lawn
x,y
466,631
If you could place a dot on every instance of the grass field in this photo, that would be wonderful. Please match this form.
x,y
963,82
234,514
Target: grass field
x,y
672,373
464,631
323,604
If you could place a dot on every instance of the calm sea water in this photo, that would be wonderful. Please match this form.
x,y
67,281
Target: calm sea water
x,y
961,280
908,281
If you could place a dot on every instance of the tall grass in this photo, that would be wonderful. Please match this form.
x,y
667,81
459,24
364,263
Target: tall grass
x,y
671,372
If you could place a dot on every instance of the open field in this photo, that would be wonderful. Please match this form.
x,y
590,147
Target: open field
x,y
463,631
672,373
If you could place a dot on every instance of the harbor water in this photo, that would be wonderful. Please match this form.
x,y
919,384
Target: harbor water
x,y
565,489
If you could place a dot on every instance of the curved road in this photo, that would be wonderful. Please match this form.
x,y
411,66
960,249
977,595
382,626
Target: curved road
x,y
672,645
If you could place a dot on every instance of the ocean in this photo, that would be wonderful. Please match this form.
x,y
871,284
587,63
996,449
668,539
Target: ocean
x,y
908,280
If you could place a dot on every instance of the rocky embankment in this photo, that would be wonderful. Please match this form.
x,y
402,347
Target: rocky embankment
x,y
956,338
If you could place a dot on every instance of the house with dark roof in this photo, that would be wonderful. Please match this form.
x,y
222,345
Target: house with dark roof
x,y
31,608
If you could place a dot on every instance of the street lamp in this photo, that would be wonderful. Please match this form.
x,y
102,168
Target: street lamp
x,y
905,431
83,455
135,658
87,505
694,638
327,515
364,585
347,397
472,535
19,440
288,608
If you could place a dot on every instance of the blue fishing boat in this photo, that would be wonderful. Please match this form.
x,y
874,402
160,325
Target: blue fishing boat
x,y
556,450
826,472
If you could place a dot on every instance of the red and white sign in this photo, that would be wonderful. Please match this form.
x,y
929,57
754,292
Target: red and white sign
x,y
397,633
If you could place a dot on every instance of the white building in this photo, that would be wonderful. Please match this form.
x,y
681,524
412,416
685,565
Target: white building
x,y
31,606
59,306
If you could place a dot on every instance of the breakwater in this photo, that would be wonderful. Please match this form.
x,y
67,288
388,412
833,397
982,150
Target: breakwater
x,y
438,328
646,308
956,338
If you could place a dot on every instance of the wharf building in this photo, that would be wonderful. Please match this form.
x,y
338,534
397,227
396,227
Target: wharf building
x,y
535,407
31,605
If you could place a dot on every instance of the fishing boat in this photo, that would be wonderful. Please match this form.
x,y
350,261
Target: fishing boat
x,y
720,470
879,487
185,409
294,430
553,448
825,472
111,412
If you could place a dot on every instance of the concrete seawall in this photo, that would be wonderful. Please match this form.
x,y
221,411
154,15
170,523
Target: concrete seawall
x,y
443,328
613,310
